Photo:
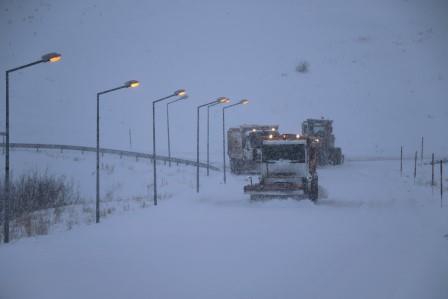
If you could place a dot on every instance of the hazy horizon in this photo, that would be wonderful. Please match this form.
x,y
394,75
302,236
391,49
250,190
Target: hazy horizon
x,y
379,71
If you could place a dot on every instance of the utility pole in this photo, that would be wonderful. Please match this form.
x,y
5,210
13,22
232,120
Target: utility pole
x,y
179,93
168,125
220,100
51,57
129,84
130,139
208,136
242,102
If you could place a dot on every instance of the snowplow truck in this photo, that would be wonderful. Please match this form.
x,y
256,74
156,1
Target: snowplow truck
x,y
321,131
244,147
288,169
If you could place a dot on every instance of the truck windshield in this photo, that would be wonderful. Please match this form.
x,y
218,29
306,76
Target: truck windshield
x,y
256,138
319,129
293,152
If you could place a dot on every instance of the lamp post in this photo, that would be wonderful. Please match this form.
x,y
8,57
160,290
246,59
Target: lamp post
x,y
50,57
220,100
129,84
242,102
208,132
168,125
180,93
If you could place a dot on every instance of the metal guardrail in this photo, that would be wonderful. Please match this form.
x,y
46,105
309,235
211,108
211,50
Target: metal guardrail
x,y
120,153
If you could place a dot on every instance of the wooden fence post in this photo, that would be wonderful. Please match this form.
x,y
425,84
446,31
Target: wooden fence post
x,y
415,165
421,153
432,174
401,160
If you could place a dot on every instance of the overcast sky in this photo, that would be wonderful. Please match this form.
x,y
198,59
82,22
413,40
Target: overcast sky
x,y
377,68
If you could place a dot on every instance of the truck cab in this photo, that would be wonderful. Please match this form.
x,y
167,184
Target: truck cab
x,y
287,169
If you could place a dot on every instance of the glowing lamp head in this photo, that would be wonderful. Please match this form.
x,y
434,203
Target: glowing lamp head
x,y
298,136
273,129
244,102
223,100
132,84
180,93
317,139
52,57
254,130
271,136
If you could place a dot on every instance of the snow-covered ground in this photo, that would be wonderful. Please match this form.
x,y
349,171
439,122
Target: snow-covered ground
x,y
375,234
377,68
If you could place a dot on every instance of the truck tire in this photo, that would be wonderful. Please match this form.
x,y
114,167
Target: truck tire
x,y
306,188
336,157
256,197
340,158
234,166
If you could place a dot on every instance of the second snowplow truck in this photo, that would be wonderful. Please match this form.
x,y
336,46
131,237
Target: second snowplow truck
x,y
244,147
321,131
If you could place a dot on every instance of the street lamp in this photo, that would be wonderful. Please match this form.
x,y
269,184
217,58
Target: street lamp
x,y
179,93
242,102
220,100
168,125
129,84
208,132
50,57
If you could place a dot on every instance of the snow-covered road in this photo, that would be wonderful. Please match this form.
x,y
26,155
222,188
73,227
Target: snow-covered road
x,y
375,235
